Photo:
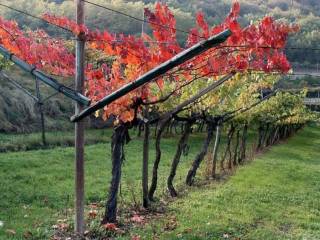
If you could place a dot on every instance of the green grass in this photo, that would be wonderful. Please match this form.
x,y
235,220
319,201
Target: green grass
x,y
37,186
33,141
275,197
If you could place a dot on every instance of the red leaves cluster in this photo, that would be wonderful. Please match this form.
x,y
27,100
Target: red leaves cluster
x,y
163,24
37,48
256,47
66,23
110,227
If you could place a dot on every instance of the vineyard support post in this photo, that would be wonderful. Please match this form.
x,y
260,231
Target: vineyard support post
x,y
216,149
79,126
40,108
145,198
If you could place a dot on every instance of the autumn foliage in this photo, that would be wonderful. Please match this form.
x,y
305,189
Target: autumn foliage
x,y
37,48
258,46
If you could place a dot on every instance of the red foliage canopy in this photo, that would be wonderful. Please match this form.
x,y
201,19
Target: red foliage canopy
x,y
256,47
37,48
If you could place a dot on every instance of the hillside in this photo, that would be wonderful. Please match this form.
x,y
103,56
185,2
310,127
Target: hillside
x,y
19,112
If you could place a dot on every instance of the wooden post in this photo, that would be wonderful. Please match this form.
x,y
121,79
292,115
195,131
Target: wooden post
x,y
79,126
40,108
215,150
145,198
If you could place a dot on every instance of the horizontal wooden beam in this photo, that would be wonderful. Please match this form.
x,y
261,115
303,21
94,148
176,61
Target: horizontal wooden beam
x,y
156,72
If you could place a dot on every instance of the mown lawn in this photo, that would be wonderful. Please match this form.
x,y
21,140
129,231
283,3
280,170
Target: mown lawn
x,y
275,197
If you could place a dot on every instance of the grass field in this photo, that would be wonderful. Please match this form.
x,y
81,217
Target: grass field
x,y
275,197
37,186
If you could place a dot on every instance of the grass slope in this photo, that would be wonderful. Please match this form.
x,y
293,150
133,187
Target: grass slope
x,y
275,197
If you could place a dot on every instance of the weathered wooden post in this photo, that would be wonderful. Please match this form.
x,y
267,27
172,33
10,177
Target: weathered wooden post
x,y
79,126
40,108
145,199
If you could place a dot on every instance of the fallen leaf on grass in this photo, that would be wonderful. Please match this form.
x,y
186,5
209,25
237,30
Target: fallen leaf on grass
x,y
93,205
137,237
60,226
225,235
109,226
11,232
188,230
63,226
93,214
171,224
62,220
55,227
137,219
27,234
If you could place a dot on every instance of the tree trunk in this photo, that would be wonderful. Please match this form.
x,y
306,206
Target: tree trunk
x,y
265,134
228,150
117,145
244,143
176,127
156,129
196,163
154,180
236,148
275,135
171,127
270,136
168,127
215,151
176,159
140,128
229,138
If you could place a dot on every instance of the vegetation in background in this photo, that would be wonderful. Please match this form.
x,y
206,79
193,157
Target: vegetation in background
x,y
19,112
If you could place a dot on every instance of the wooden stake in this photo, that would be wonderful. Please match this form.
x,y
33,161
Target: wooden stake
x,y
145,199
40,108
79,126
